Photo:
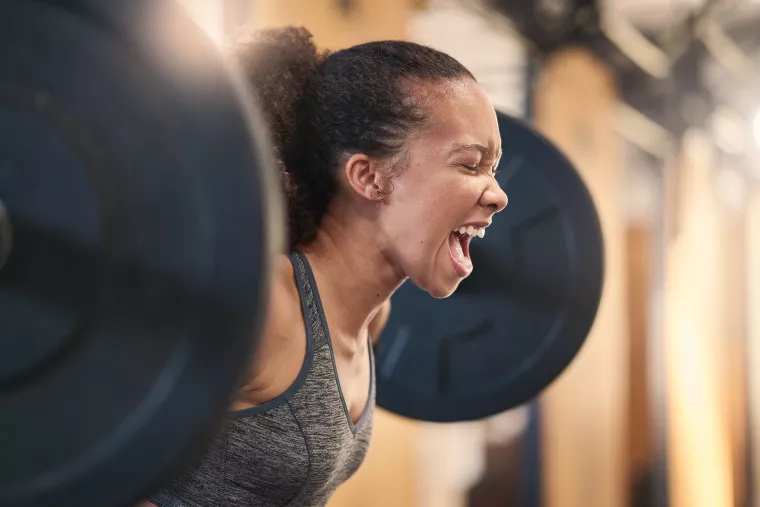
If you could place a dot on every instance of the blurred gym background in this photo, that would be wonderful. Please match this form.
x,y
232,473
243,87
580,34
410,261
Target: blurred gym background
x,y
657,102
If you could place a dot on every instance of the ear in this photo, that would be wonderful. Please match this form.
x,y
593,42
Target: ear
x,y
365,176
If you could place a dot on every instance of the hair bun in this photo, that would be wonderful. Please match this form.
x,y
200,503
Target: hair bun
x,y
280,64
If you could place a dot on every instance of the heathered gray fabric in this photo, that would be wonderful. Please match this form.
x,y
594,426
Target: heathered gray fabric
x,y
292,451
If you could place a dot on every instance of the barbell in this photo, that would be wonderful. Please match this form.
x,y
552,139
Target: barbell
x,y
139,218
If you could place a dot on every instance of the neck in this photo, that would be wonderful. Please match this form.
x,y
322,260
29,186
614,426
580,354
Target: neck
x,y
353,273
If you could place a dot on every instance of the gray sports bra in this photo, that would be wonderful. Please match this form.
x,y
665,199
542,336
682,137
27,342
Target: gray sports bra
x,y
292,451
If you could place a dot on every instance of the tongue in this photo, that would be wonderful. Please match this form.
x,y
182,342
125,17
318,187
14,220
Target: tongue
x,y
456,247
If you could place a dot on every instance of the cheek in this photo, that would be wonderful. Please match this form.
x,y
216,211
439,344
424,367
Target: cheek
x,y
424,203
419,207
423,219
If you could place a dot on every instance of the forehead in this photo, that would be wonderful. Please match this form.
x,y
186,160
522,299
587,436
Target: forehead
x,y
460,113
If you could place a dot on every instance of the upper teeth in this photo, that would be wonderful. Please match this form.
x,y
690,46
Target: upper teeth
x,y
472,231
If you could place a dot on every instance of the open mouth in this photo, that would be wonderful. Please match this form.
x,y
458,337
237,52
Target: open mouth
x,y
459,244
459,247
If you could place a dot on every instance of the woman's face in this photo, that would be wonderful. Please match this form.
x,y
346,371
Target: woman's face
x,y
448,185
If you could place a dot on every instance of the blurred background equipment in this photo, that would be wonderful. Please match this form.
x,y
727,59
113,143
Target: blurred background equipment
x,y
655,102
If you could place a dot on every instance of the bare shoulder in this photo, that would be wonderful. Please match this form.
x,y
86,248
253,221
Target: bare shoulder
x,y
283,295
283,313
282,345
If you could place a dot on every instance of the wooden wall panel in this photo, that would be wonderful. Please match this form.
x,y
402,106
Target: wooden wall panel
x,y
583,412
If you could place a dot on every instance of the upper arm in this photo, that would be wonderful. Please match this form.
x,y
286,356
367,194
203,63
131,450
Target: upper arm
x,y
377,324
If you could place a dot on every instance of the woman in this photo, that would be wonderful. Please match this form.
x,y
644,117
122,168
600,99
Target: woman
x,y
387,153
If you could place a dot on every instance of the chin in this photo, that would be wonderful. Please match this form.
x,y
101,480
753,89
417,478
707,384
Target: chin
x,y
439,289
438,283
442,293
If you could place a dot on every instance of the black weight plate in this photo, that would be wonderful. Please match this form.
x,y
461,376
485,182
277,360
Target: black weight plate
x,y
522,315
140,209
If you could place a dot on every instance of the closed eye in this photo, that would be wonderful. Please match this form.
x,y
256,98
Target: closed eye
x,y
475,168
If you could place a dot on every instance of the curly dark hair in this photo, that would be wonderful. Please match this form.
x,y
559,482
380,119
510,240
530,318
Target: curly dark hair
x,y
320,106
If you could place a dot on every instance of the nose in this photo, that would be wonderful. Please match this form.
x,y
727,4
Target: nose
x,y
494,198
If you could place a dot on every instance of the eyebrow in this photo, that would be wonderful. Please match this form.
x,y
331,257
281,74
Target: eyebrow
x,y
473,147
